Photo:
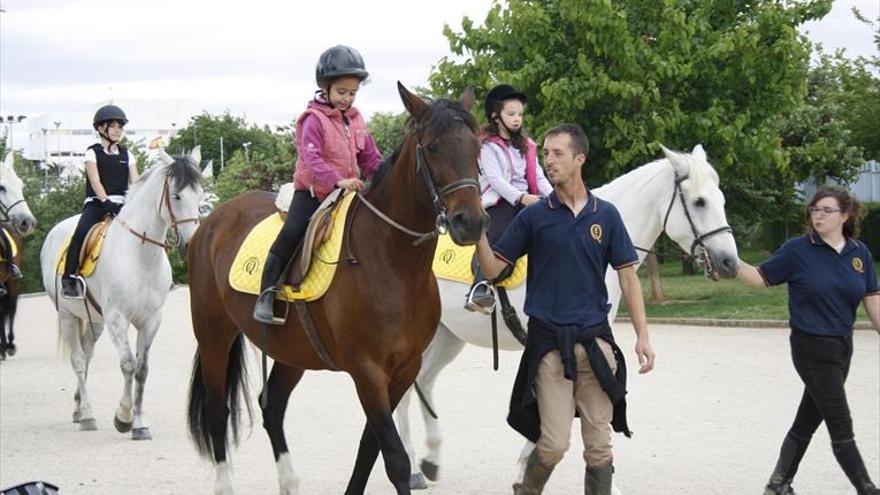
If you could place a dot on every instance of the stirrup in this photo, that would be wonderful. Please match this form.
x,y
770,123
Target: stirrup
x,y
264,312
78,291
482,303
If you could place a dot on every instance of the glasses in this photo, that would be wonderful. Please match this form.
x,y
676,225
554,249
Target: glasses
x,y
827,210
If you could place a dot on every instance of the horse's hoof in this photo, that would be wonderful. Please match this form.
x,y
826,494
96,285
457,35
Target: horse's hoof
x,y
121,426
429,469
11,350
141,434
77,417
417,482
88,424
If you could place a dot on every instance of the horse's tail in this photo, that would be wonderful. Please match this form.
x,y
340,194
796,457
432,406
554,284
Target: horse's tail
x,y
8,306
199,407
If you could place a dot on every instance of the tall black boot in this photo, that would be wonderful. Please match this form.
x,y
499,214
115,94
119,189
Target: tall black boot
x,y
264,309
850,460
790,455
597,481
535,477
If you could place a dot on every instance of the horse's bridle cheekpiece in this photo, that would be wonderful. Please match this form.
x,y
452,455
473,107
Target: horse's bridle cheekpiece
x,y
436,198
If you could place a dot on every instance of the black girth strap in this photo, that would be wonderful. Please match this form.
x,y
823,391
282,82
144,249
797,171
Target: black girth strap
x,y
302,310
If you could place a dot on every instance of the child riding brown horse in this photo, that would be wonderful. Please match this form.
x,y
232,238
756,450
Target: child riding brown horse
x,y
376,318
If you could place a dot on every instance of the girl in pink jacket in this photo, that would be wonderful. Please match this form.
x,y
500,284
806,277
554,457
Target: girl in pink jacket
x,y
334,149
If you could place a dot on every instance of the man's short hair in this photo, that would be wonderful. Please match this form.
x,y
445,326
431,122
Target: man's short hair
x,y
579,141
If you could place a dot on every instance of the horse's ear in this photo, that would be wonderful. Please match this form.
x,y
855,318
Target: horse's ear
x,y
10,160
196,155
165,157
699,153
681,166
467,99
414,105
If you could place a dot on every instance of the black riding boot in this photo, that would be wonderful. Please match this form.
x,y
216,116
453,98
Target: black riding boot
x,y
597,481
850,460
264,309
790,455
481,296
535,477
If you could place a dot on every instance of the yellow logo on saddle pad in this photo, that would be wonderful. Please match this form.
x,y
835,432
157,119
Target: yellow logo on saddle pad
x,y
453,262
93,243
247,268
11,242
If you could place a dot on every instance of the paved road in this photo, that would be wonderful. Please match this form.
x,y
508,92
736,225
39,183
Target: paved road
x,y
708,421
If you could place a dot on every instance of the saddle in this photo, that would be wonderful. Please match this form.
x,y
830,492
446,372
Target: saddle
x,y
91,248
10,242
310,271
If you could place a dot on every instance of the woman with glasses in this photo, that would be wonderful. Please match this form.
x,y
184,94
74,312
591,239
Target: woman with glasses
x,y
828,272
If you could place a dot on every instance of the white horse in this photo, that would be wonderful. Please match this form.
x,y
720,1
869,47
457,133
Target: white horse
x,y
129,284
678,194
16,217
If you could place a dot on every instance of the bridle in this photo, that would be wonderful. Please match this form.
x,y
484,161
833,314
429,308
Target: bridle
x,y
698,239
437,195
4,210
166,201
698,247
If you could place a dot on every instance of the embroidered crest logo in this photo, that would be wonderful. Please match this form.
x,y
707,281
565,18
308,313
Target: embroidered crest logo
x,y
596,232
858,264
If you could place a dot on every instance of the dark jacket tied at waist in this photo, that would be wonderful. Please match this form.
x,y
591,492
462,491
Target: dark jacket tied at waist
x,y
544,338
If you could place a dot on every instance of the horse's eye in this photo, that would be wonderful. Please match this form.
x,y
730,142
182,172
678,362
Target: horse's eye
x,y
700,202
176,197
2,189
433,149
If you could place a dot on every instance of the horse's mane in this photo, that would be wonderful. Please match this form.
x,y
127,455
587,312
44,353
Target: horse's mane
x,y
181,170
442,115
700,172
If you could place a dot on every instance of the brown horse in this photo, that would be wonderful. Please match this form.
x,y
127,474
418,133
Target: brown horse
x,y
377,317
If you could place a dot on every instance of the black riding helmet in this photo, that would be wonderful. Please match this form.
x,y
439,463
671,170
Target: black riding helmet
x,y
109,113
496,97
339,61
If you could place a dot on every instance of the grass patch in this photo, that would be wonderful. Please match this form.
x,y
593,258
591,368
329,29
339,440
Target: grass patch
x,y
695,296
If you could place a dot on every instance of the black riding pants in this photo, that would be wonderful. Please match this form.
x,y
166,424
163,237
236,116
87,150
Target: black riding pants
x,y
823,364
500,217
92,213
302,207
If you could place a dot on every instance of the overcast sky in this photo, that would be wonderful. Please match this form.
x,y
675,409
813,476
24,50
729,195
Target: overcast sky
x,y
253,57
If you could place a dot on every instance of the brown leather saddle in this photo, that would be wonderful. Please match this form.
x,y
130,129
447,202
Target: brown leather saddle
x,y
318,232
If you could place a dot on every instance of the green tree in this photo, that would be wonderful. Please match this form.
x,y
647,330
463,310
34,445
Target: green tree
x,y
387,129
206,130
637,74
265,169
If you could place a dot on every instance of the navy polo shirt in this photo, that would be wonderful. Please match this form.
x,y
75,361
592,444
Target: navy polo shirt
x,y
824,287
568,258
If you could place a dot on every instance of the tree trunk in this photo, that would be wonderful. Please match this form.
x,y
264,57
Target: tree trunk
x,y
687,264
654,276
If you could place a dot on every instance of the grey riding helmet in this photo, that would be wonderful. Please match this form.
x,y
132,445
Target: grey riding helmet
x,y
109,113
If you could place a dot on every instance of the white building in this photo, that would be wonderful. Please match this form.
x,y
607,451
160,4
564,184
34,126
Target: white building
x,y
63,137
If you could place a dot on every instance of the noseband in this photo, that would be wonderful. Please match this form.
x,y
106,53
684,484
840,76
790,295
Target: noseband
x,y
4,210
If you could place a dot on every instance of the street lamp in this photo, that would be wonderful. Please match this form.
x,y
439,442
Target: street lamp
x,y
247,158
57,142
10,120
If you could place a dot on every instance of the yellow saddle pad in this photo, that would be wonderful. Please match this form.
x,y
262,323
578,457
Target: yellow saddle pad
x,y
11,242
453,262
247,268
91,250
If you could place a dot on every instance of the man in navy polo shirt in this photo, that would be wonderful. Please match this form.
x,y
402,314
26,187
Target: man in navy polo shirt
x,y
571,238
